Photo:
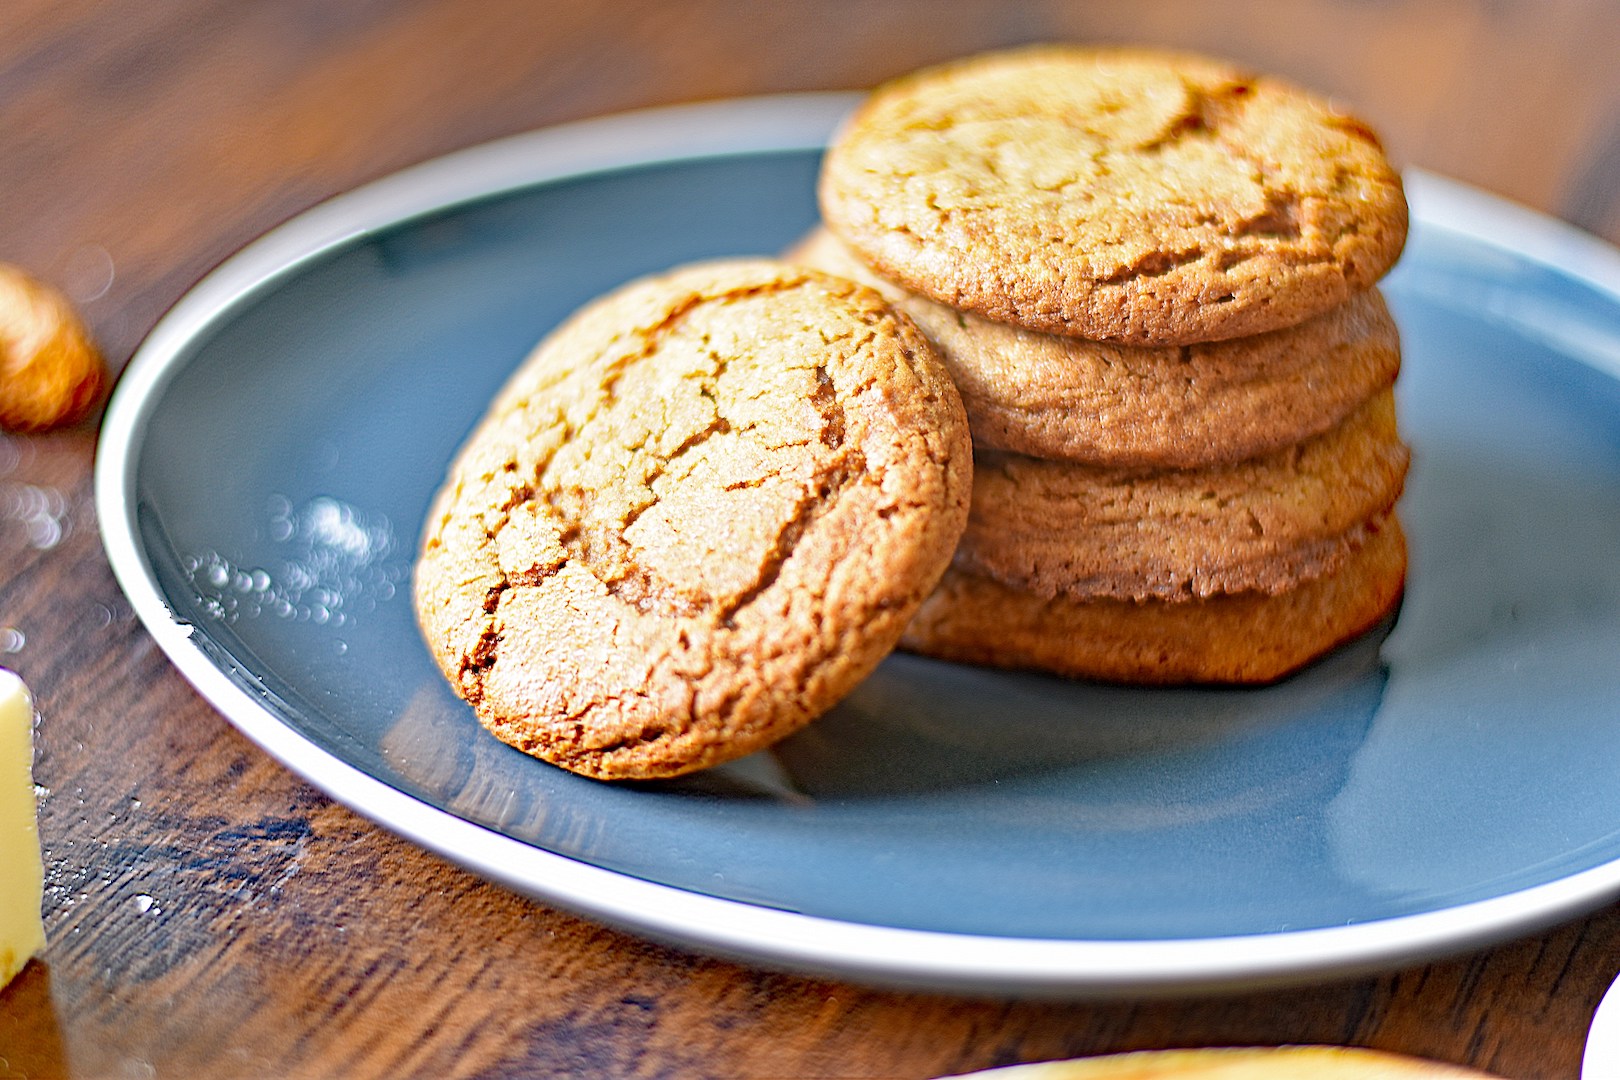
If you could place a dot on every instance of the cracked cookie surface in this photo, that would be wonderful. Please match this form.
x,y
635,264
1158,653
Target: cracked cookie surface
x,y
1133,196
1238,638
701,512
1103,403
1263,525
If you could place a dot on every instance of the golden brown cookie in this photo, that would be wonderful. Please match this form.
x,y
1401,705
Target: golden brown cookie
x,y
1133,196
1103,403
1058,529
1238,1063
51,373
698,515
1240,638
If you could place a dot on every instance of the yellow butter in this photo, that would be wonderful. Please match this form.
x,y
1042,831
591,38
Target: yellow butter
x,y
22,874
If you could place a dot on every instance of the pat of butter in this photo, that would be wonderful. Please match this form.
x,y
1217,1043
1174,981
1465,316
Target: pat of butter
x,y
22,874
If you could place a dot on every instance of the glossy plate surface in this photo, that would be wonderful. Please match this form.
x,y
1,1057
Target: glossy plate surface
x,y
1451,779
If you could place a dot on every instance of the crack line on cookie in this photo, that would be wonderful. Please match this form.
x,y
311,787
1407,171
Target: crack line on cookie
x,y
812,505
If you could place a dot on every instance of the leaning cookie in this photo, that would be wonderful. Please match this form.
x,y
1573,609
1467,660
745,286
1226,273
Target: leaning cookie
x,y
1263,525
700,513
1134,196
1065,398
1241,638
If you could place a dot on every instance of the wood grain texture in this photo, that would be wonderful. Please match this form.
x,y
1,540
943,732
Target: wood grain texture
x,y
211,915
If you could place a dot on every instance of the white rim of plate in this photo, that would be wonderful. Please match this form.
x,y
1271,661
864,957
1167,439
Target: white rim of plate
x,y
869,953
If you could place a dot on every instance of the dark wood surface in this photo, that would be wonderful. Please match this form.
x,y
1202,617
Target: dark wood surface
x,y
211,915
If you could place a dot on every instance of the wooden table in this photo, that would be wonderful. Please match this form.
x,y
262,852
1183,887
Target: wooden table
x,y
211,915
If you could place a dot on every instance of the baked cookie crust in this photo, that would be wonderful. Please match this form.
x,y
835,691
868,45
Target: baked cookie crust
x,y
1103,403
1263,525
698,515
1121,195
1246,638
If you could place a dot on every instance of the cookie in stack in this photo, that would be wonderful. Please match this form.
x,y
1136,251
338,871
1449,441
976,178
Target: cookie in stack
x,y
1152,277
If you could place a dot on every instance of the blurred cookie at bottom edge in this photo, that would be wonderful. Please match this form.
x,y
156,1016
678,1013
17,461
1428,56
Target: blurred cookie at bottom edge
x,y
1235,1063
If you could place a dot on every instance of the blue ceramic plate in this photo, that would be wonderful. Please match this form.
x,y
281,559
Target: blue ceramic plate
x,y
1448,780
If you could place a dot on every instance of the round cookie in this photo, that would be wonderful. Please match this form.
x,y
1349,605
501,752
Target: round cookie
x,y
1133,196
1264,525
698,515
1103,403
1239,638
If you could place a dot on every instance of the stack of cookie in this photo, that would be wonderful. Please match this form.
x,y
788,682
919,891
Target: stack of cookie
x,y
1152,278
